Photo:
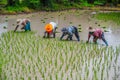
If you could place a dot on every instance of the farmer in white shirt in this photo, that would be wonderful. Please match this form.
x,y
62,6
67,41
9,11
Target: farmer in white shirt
x,y
50,29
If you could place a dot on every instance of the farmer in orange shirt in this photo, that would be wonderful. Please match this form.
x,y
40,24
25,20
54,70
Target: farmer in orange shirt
x,y
50,29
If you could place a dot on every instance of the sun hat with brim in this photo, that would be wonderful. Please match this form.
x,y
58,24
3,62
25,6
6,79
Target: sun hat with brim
x,y
19,21
48,28
90,29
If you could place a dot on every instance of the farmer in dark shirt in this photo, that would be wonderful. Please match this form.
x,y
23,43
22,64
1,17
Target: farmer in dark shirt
x,y
70,31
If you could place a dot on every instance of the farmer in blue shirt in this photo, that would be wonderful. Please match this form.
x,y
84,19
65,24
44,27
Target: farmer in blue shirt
x,y
25,23
70,31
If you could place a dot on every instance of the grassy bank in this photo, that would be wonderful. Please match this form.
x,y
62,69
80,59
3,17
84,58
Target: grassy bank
x,y
16,10
111,16
29,57
22,10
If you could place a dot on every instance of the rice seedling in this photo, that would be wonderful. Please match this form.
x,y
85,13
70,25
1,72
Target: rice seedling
x,y
6,17
45,18
105,30
6,20
104,27
70,22
79,28
43,21
13,24
64,18
52,17
30,57
98,24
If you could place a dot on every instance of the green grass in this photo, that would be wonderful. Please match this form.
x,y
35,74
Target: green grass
x,y
3,2
55,7
28,56
15,10
112,16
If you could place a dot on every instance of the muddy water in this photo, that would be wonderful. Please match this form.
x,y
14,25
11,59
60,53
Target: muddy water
x,y
65,19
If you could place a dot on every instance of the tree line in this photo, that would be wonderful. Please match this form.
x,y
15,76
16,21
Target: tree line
x,y
50,3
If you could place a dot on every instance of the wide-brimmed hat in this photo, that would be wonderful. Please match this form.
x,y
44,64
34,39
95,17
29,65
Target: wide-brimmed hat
x,y
90,29
19,20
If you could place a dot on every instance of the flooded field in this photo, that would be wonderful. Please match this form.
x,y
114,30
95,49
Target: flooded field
x,y
34,58
78,18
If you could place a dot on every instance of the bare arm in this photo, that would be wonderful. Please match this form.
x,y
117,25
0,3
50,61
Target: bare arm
x,y
88,37
63,34
16,28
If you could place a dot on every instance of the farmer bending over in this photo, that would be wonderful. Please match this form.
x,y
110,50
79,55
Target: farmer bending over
x,y
97,34
25,23
50,29
70,31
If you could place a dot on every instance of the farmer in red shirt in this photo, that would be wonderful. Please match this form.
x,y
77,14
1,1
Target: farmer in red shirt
x,y
97,34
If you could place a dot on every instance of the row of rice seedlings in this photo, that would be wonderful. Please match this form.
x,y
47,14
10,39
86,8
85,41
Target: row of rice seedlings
x,y
31,57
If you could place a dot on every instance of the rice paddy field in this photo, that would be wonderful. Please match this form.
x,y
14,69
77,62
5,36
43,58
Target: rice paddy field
x,y
27,56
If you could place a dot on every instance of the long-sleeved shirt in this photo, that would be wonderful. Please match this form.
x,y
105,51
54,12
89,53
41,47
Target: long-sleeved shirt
x,y
98,33
68,31
54,25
